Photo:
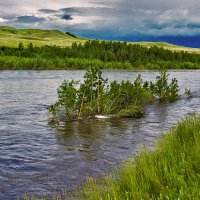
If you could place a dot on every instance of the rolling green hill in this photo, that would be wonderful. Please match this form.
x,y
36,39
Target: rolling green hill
x,y
12,37
166,45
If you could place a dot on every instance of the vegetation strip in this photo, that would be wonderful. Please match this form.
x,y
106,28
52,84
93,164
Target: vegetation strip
x,y
172,171
102,54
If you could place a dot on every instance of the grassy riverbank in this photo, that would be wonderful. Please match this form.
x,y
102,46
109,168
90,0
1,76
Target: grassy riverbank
x,y
172,171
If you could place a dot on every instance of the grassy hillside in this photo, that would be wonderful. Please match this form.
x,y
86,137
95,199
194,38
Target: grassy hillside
x,y
171,47
12,37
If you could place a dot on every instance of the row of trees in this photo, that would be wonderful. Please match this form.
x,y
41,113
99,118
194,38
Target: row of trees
x,y
129,55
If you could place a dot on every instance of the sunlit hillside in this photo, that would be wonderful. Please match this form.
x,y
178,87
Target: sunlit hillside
x,y
12,37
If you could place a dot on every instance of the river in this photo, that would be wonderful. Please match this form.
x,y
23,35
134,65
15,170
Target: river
x,y
38,159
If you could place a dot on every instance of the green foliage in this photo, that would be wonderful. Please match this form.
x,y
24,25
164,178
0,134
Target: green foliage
x,y
133,111
172,171
95,96
67,99
107,55
188,93
71,34
83,102
127,94
21,46
92,90
165,90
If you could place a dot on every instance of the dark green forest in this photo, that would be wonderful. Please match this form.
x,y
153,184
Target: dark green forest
x,y
102,54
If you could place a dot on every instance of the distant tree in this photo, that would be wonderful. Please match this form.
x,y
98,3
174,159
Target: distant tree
x,y
30,50
30,47
20,46
71,34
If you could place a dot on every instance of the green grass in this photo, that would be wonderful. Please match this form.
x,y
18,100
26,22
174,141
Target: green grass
x,y
11,37
166,45
172,171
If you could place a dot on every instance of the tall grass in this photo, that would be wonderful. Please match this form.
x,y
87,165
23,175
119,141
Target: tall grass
x,y
172,171
38,63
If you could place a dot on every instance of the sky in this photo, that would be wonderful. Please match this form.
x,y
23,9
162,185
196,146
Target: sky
x,y
174,21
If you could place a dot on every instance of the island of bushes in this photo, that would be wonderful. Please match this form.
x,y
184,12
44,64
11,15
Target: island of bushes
x,y
95,96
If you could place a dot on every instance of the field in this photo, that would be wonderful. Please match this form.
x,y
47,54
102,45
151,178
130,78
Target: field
x,y
171,47
11,37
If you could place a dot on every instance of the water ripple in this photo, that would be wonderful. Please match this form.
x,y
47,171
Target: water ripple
x,y
38,159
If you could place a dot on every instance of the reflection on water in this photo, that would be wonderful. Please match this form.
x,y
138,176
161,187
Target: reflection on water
x,y
38,159
93,139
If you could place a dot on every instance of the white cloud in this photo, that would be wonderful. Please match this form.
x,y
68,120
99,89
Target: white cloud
x,y
2,20
119,17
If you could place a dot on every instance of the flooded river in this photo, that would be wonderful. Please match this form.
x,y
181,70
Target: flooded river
x,y
36,158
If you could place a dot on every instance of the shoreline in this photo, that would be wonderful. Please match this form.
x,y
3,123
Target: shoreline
x,y
167,172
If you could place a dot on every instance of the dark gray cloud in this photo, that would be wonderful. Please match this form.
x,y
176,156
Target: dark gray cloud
x,y
29,19
193,25
117,18
89,11
156,26
48,11
72,10
66,17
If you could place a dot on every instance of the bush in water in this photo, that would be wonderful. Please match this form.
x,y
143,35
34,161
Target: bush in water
x,y
96,97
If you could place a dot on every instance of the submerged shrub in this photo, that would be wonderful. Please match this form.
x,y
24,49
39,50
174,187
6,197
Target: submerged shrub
x,y
67,101
163,89
96,97
188,93
86,101
133,111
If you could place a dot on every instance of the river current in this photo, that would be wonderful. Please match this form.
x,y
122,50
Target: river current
x,y
38,159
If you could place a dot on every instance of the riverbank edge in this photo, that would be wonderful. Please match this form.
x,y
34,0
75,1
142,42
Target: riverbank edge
x,y
172,171
43,64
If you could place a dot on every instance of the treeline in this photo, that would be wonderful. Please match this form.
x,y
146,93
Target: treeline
x,y
105,54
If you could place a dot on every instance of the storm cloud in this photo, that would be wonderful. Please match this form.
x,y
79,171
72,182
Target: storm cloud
x,y
66,17
29,19
107,19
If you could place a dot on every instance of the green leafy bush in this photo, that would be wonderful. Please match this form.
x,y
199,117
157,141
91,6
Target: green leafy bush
x,y
67,101
96,97
133,111
163,89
